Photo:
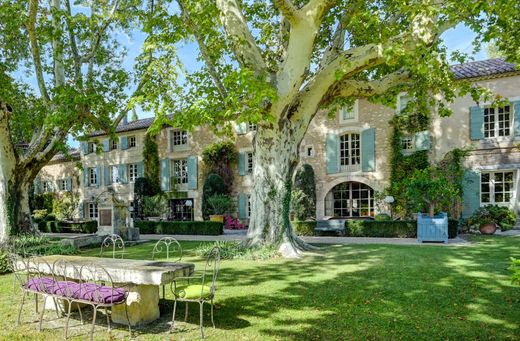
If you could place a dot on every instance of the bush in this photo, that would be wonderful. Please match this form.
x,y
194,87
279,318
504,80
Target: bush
x,y
5,265
39,215
212,185
304,228
78,227
43,201
50,217
390,229
382,217
65,205
221,204
180,227
502,216
235,250
453,228
156,206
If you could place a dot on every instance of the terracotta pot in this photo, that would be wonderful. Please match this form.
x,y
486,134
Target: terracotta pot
x,y
489,228
217,218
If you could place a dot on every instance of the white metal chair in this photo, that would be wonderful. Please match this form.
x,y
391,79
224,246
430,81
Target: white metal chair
x,y
113,241
170,246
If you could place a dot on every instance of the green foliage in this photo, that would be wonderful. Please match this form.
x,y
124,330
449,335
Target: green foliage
x,y
65,205
304,228
5,263
219,158
43,201
39,215
156,206
500,215
303,202
390,229
212,185
151,166
382,217
235,250
515,268
142,188
78,227
221,204
180,227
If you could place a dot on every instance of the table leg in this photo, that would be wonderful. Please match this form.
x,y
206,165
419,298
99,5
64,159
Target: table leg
x,y
142,304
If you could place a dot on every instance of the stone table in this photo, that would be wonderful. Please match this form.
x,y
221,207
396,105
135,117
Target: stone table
x,y
143,279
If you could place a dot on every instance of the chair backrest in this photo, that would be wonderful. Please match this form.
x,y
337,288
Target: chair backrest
x,y
39,274
113,241
67,273
209,277
171,246
96,285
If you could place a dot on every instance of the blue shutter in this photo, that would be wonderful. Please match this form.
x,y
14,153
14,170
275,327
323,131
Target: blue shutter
x,y
85,177
476,123
242,163
332,159
192,172
123,170
241,128
516,127
81,210
471,192
98,176
84,147
242,206
139,169
106,175
165,174
106,145
68,184
37,187
423,140
368,150
124,142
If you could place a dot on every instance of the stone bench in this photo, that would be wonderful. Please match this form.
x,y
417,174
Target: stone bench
x,y
336,226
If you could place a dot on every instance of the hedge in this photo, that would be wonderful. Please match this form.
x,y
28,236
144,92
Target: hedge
x,y
179,227
390,229
89,226
304,228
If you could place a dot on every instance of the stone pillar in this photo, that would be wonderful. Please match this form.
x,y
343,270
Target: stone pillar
x,y
142,304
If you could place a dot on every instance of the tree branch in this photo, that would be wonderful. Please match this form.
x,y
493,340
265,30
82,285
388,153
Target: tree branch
x,y
73,45
287,9
35,49
245,49
317,9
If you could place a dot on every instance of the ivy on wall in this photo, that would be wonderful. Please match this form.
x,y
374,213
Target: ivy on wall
x,y
151,164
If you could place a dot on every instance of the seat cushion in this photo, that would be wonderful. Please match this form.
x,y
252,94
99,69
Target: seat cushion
x,y
100,294
193,291
41,284
67,289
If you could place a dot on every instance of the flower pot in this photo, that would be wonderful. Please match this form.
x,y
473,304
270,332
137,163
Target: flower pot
x,y
217,218
489,228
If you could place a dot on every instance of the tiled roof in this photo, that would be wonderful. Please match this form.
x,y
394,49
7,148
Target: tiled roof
x,y
73,155
133,125
483,68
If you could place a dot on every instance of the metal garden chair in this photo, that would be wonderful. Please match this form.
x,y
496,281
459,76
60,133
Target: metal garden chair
x,y
172,247
200,289
113,241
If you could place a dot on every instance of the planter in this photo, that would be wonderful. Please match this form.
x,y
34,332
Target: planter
x,y
432,229
217,218
489,228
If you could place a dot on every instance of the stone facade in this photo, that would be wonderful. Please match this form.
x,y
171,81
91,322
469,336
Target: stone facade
x,y
349,153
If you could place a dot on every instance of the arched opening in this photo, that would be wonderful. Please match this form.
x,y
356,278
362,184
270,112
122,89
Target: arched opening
x,y
350,200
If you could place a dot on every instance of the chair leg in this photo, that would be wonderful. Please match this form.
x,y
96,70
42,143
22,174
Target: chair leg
x,y
80,313
20,311
213,322
41,320
93,324
108,318
163,293
67,322
128,320
201,319
173,316
186,313
36,302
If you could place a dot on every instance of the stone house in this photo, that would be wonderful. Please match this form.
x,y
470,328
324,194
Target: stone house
x,y
350,154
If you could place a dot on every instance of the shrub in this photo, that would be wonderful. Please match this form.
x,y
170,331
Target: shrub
x,y
43,201
502,216
214,184
304,203
180,227
78,227
5,265
221,204
390,229
453,228
155,206
65,205
382,217
235,250
50,217
39,215
42,226
151,164
218,158
304,228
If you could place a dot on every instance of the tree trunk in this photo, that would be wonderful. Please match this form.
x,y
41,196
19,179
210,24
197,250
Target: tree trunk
x,y
275,158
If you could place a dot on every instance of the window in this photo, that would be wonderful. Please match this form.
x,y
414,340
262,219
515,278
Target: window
x,y
350,150
62,185
45,187
180,171
113,144
309,151
92,210
181,209
250,162
248,210
497,121
132,172
91,147
407,143
496,187
350,199
114,174
131,141
348,114
92,177
251,127
178,138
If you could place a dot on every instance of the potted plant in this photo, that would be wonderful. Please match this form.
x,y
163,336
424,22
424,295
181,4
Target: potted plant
x,y
489,217
220,204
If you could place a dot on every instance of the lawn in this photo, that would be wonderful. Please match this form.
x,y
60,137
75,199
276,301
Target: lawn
x,y
348,292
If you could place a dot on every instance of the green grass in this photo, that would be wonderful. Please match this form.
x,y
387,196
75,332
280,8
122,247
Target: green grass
x,y
349,292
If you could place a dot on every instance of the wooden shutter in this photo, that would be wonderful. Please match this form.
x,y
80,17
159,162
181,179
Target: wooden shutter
x,y
140,169
241,163
476,123
516,120
332,159
37,187
106,176
106,145
123,170
85,178
242,206
368,150
165,174
81,210
471,192
124,142
98,176
423,140
192,172
68,184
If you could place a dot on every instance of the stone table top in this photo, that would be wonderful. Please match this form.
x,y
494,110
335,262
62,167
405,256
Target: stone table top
x,y
139,272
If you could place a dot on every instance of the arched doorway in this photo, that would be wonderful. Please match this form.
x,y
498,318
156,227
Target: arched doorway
x,y
350,200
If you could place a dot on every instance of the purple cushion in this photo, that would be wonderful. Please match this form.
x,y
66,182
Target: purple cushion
x,y
44,284
66,289
100,294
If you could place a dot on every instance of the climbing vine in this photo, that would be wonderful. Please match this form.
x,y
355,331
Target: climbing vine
x,y
151,164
